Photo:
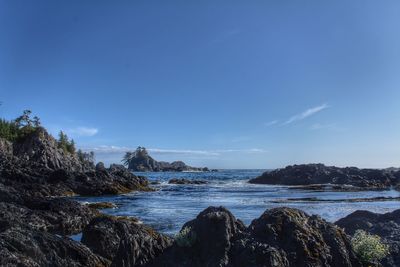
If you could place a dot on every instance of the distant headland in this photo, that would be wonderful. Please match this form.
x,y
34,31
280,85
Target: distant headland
x,y
140,161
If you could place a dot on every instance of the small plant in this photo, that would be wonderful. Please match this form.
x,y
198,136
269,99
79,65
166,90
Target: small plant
x,y
186,237
369,248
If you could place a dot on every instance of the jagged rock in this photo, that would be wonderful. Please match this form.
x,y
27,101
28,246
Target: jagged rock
x,y
134,243
40,147
25,247
115,180
185,181
30,179
141,161
307,174
387,226
58,216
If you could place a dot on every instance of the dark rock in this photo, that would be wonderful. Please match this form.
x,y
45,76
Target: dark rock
x,y
280,237
204,241
29,247
42,148
185,181
58,216
141,161
102,205
133,242
100,167
292,238
309,174
387,226
36,167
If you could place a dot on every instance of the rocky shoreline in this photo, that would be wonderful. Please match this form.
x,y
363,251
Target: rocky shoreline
x,y
36,222
320,177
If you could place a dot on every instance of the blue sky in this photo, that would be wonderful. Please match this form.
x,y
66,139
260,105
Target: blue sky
x,y
224,84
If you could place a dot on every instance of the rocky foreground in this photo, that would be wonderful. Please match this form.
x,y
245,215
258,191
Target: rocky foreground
x,y
35,222
349,178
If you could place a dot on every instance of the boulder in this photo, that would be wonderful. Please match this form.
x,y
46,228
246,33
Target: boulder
x,y
133,242
204,241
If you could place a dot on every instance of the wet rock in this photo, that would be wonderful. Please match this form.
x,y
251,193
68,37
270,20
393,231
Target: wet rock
x,y
185,181
102,205
309,174
133,242
387,226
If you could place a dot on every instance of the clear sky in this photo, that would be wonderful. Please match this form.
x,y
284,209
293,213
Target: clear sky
x,y
224,84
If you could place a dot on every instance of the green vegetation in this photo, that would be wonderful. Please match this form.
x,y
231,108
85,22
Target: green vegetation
x,y
369,248
65,144
19,128
186,237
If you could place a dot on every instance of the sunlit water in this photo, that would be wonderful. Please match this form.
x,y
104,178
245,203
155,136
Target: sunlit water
x,y
172,205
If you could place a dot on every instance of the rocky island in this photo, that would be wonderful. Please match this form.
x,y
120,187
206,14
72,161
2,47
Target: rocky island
x,y
141,161
319,174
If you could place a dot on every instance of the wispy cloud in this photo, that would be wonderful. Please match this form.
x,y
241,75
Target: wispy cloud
x,y
83,131
307,113
270,123
158,151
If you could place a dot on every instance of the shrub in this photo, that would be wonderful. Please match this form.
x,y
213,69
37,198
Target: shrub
x,y
186,237
369,248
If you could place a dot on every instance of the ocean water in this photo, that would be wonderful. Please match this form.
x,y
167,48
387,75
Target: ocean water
x,y
168,208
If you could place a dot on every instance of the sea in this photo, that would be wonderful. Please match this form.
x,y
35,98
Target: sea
x,y
170,206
